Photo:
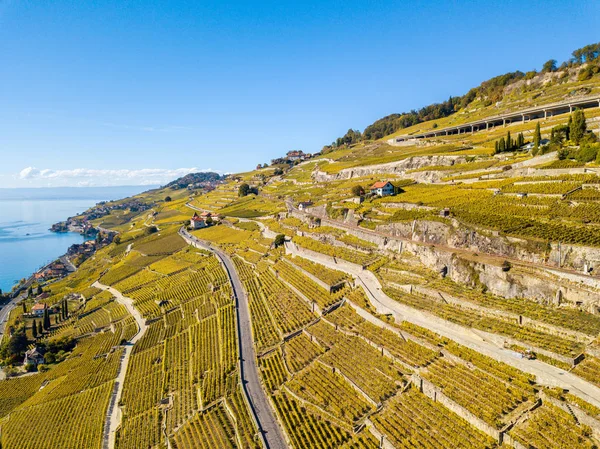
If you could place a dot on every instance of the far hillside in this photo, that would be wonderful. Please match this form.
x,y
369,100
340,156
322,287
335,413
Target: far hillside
x,y
504,93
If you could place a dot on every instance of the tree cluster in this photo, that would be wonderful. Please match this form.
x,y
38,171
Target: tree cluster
x,y
508,143
588,53
488,92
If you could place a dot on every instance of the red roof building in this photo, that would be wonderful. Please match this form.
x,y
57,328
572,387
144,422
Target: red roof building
x,y
383,188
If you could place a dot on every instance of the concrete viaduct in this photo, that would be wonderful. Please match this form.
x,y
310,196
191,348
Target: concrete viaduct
x,y
543,111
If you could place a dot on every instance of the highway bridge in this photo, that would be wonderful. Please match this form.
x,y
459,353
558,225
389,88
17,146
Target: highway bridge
x,y
524,115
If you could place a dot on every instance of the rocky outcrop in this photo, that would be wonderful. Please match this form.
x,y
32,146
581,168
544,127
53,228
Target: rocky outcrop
x,y
396,168
433,243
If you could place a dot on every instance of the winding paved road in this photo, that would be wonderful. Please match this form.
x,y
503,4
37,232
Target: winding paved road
x,y
114,415
272,434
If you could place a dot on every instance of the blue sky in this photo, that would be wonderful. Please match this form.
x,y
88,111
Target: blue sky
x,y
135,92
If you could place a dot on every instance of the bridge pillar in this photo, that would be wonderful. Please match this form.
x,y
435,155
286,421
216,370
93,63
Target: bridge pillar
x,y
523,118
446,132
546,112
472,129
570,108
487,126
503,122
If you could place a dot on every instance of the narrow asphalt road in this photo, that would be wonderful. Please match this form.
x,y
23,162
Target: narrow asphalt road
x,y
6,309
546,374
259,403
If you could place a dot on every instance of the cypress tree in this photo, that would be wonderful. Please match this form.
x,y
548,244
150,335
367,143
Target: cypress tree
x,y
537,136
509,144
520,140
24,307
577,126
495,147
502,145
40,329
34,329
46,319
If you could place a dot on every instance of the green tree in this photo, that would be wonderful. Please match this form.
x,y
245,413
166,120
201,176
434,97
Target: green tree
x,y
577,126
39,290
167,199
243,190
46,324
24,306
537,136
509,143
14,349
34,329
501,145
357,190
40,328
549,66
279,240
520,140
496,147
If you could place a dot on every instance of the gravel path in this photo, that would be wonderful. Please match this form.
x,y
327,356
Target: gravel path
x,y
114,414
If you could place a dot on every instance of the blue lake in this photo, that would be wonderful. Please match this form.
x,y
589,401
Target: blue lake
x,y
26,244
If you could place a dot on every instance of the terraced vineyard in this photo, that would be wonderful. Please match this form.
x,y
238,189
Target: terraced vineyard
x,y
460,312
551,427
529,335
413,420
483,395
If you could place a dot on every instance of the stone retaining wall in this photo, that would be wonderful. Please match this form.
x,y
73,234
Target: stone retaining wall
x,y
434,393
421,240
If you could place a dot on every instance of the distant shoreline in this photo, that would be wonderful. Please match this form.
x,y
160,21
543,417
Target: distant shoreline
x,y
93,194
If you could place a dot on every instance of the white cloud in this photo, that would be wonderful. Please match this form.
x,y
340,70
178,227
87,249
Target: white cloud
x,y
102,177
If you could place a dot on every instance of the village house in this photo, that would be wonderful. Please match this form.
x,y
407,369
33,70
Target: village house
x,y
295,155
38,309
33,357
302,205
196,222
383,188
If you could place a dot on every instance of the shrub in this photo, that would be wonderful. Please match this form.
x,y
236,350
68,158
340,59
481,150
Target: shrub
x,y
30,367
357,190
279,240
587,152
150,230
563,153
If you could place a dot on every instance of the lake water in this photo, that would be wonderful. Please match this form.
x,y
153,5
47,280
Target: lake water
x,y
26,244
